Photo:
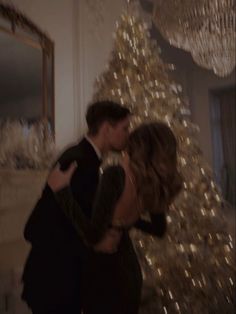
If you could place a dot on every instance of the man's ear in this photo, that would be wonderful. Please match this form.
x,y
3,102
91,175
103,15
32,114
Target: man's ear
x,y
106,127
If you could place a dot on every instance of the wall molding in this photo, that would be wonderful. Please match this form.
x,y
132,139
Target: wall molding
x,y
78,68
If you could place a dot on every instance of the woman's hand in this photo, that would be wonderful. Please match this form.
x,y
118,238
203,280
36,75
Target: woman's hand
x,y
58,179
110,242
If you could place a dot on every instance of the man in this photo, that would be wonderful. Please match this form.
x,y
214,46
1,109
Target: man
x,y
52,272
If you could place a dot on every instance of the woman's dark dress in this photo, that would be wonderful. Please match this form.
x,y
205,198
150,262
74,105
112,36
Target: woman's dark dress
x,y
111,283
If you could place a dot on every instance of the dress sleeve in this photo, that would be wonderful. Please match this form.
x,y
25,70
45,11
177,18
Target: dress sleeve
x,y
109,191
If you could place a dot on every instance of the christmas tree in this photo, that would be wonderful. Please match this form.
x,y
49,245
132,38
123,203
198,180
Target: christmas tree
x,y
192,269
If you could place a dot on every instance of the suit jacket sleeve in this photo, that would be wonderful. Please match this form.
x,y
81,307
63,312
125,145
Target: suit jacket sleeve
x,y
109,190
47,226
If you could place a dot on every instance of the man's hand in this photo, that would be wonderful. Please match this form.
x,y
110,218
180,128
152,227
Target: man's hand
x,y
110,241
58,179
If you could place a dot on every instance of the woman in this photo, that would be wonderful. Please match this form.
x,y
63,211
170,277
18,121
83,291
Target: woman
x,y
146,180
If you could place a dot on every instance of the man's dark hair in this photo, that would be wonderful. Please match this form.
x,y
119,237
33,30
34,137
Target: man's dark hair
x,y
102,111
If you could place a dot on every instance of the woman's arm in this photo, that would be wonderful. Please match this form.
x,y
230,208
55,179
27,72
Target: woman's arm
x,y
109,190
108,193
156,227
74,213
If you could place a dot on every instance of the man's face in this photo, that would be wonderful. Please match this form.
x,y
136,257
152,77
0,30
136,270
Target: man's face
x,y
118,134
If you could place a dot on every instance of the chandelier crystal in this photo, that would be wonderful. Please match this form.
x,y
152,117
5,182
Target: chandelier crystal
x,y
205,28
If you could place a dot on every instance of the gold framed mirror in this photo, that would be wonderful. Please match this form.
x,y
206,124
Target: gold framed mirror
x,y
26,68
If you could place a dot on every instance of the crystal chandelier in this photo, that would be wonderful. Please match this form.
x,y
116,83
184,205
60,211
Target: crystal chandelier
x,y
205,28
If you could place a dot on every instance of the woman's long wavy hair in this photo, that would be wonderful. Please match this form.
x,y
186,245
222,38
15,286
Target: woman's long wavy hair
x,y
152,149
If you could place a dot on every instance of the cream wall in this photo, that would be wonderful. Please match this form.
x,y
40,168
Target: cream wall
x,y
95,44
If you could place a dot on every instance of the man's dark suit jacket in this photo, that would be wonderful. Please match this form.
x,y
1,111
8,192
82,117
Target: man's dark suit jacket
x,y
52,271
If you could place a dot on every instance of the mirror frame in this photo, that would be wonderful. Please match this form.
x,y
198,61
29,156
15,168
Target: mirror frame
x,y
18,21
